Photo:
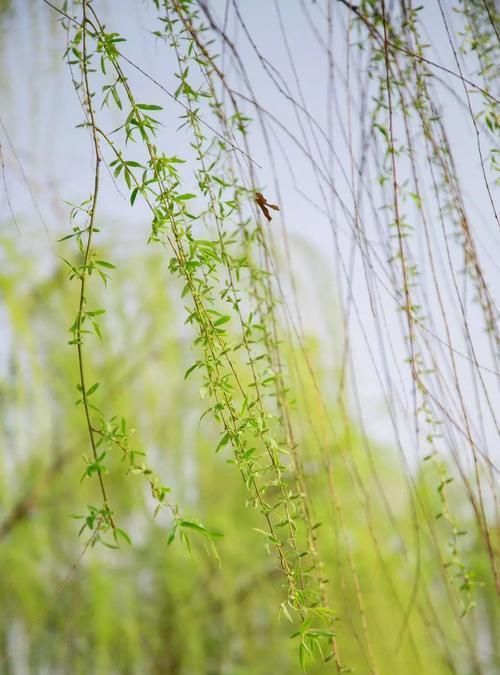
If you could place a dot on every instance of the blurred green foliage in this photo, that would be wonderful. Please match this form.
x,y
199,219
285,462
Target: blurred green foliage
x,y
152,608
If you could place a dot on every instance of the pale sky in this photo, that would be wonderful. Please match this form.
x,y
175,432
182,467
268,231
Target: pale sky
x,y
39,111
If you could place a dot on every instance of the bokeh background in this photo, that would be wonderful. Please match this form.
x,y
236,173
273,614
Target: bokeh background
x,y
153,608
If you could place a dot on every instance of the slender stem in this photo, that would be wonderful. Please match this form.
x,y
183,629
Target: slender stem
x,y
86,259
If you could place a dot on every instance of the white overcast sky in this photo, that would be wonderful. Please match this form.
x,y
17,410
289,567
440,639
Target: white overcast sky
x,y
39,112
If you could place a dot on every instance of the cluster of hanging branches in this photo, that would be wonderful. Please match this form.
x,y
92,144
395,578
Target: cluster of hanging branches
x,y
407,254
